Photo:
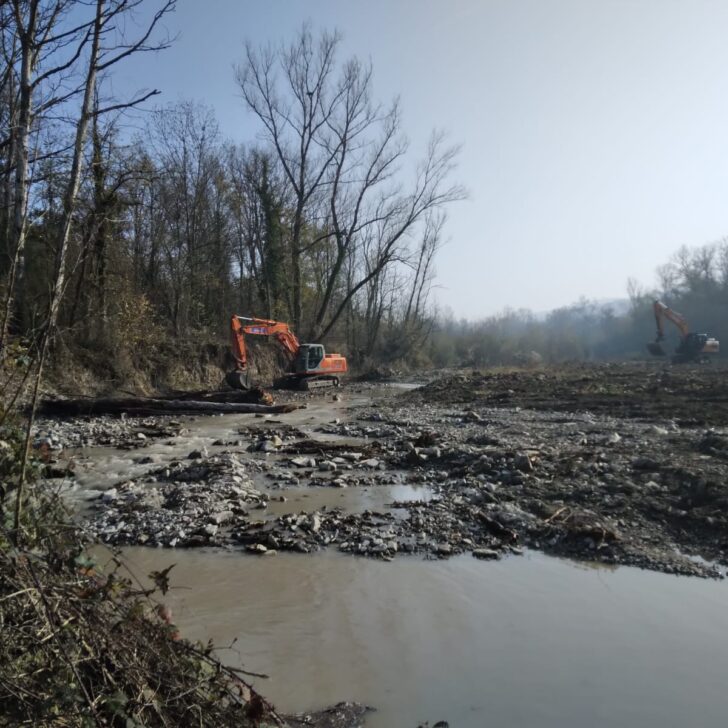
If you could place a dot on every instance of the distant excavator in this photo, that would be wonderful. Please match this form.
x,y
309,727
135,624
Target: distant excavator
x,y
692,347
311,367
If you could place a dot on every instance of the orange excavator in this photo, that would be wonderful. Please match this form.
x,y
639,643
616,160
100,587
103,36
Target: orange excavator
x,y
692,347
311,366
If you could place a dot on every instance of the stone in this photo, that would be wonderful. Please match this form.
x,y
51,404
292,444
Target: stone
x,y
257,548
327,465
485,554
222,517
645,463
523,463
304,462
109,496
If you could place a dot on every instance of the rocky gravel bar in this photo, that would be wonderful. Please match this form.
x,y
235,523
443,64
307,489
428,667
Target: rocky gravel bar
x,y
509,461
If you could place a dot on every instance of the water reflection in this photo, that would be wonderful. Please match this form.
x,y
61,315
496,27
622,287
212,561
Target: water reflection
x,y
528,641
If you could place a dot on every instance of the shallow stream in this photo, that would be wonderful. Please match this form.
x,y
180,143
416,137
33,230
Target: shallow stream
x,y
527,641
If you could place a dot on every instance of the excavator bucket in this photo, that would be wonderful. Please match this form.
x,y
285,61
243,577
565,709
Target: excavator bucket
x,y
655,349
238,379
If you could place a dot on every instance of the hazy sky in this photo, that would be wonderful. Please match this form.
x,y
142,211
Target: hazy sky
x,y
594,132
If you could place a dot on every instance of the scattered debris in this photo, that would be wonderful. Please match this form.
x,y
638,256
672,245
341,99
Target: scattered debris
x,y
639,490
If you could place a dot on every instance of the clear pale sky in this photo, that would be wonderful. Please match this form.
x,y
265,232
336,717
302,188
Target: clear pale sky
x,y
594,132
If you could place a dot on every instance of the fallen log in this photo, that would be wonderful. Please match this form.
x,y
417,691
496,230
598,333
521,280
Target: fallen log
x,y
255,396
151,406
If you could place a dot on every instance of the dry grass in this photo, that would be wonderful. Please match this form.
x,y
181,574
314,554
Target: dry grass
x,y
82,648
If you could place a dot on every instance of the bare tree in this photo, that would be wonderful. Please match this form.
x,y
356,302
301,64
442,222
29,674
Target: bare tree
x,y
107,21
390,218
295,111
342,156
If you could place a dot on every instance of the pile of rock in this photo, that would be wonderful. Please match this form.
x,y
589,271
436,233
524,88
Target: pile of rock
x,y
126,433
183,504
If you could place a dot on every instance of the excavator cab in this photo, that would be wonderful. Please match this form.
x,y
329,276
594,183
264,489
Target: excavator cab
x,y
309,358
695,347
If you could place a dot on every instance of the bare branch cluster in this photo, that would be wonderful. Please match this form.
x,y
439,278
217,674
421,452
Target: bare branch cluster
x,y
341,157
93,647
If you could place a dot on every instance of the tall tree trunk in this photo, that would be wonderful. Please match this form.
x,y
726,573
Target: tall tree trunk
x,y
22,156
296,272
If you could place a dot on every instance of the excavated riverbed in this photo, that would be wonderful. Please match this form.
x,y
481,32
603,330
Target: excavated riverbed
x,y
344,534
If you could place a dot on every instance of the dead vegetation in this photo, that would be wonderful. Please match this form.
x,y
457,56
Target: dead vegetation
x,y
81,647
85,648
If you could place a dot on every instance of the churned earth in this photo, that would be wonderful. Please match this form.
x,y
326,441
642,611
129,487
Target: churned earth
x,y
619,464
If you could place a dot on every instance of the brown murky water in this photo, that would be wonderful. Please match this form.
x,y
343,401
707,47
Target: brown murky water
x,y
529,641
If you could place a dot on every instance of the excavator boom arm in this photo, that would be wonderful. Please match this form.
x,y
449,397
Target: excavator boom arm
x,y
663,311
241,326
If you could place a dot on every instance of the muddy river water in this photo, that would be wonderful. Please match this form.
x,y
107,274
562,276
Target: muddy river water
x,y
528,641
525,641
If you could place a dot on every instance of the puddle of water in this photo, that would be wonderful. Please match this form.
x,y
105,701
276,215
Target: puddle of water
x,y
403,385
352,500
529,641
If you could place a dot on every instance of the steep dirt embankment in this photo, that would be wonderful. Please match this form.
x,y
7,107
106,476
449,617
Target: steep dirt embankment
x,y
166,366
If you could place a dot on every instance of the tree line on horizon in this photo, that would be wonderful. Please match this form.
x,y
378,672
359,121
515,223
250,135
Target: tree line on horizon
x,y
693,282
119,230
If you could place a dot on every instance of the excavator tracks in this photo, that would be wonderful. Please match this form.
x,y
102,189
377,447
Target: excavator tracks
x,y
318,382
